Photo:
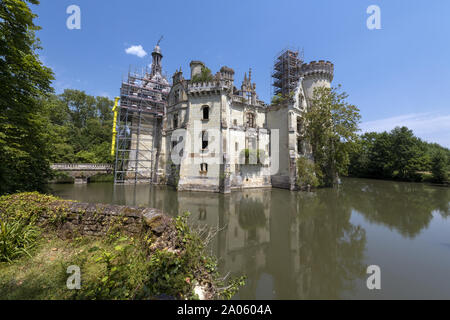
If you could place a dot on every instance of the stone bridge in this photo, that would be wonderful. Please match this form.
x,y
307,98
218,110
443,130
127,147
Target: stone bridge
x,y
81,172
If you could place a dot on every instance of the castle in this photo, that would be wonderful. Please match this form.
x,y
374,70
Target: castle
x,y
204,134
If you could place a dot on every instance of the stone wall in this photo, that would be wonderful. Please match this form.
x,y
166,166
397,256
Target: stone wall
x,y
100,219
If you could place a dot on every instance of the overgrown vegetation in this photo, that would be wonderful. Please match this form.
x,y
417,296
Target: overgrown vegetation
x,y
117,266
16,238
306,173
398,155
204,76
331,128
280,98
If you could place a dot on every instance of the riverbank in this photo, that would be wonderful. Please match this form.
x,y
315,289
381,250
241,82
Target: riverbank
x,y
424,178
122,252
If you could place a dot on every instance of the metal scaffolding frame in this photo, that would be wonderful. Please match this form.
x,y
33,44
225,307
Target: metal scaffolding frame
x,y
143,101
286,71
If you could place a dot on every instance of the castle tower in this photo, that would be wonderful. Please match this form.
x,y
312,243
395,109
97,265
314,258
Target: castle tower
x,y
316,74
196,68
294,83
143,101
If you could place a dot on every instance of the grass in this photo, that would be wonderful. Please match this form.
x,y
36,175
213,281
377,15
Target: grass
x,y
114,266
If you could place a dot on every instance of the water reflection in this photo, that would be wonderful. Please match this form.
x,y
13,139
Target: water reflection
x,y
405,207
290,245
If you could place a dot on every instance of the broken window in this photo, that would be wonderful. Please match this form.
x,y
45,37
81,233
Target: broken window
x,y
205,113
204,140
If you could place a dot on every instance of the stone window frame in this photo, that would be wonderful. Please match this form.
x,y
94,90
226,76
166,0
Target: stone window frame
x,y
250,115
208,109
203,168
205,140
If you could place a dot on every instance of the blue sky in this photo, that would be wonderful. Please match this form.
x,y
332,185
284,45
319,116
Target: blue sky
x,y
399,75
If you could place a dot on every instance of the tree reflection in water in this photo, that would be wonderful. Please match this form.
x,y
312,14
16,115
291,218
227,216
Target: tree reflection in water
x,y
291,245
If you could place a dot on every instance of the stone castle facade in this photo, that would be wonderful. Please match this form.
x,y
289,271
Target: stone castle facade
x,y
215,137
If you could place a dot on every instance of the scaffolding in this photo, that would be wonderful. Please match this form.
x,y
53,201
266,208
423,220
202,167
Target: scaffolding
x,y
286,72
143,100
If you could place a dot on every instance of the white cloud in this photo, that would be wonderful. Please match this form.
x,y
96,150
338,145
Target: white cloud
x,y
137,51
432,127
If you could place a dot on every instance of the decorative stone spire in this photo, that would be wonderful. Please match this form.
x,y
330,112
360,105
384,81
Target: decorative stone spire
x,y
156,63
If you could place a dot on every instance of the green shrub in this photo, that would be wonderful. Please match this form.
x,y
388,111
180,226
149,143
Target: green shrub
x,y
29,206
204,76
16,239
133,269
307,173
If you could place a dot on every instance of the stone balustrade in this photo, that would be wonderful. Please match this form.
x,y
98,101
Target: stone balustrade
x,y
82,171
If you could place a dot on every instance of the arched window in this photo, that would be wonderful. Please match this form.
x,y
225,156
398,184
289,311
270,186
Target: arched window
x,y
204,167
205,110
204,140
251,120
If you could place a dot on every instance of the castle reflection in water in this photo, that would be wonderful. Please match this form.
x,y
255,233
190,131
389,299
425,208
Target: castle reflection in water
x,y
290,245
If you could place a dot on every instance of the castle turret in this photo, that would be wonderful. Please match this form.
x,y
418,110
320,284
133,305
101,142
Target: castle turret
x,y
227,73
156,63
196,68
316,74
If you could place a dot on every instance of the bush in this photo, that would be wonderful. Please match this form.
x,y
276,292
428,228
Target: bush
x,y
29,206
16,239
306,173
204,76
141,269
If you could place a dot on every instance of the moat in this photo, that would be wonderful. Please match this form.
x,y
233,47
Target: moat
x,y
294,245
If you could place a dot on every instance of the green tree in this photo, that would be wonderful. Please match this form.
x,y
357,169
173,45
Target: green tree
x,y
80,127
439,167
397,154
407,153
331,127
24,150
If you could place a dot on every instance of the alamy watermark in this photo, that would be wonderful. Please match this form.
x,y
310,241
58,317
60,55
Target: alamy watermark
x,y
74,280
374,280
374,20
74,20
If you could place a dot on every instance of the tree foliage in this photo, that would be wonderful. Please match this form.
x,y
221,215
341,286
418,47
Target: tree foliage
x,y
306,173
24,80
204,76
80,127
397,154
331,128
439,166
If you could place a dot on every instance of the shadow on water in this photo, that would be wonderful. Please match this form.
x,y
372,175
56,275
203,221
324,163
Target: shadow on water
x,y
290,245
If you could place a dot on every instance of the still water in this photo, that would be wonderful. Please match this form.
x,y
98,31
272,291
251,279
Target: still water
x,y
293,245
